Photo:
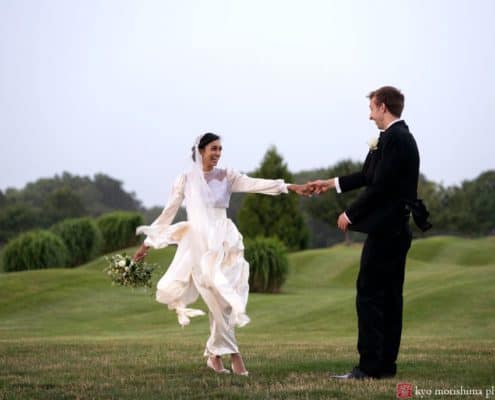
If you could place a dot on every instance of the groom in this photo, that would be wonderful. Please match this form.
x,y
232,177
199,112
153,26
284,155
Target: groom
x,y
390,178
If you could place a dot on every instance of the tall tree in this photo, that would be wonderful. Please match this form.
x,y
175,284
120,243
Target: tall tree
x,y
277,216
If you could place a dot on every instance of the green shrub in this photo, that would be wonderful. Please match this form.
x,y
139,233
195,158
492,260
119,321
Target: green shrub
x,y
35,250
82,238
118,229
268,264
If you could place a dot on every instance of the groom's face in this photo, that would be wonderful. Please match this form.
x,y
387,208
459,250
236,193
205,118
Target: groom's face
x,y
377,113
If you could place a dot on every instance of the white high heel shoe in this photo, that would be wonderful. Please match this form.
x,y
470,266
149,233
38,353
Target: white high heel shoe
x,y
245,373
209,364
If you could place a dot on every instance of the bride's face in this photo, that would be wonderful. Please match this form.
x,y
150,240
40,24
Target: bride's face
x,y
211,154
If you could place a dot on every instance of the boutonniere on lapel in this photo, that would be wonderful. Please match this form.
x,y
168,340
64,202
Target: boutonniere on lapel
x,y
373,143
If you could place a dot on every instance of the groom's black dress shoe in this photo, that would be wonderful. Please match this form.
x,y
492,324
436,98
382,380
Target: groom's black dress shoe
x,y
387,374
388,371
356,373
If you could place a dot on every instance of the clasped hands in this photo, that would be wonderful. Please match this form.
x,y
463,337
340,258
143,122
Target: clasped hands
x,y
313,187
317,187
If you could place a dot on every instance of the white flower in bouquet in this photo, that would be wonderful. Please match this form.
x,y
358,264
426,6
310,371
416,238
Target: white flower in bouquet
x,y
373,143
124,271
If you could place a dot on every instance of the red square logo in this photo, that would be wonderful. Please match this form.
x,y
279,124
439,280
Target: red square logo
x,y
404,390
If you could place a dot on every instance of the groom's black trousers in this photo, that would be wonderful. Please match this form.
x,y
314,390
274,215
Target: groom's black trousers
x,y
379,301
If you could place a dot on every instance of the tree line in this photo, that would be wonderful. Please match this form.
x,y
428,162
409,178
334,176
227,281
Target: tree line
x,y
47,201
465,209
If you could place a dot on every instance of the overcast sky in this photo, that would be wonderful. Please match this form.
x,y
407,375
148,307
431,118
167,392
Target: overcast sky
x,y
124,87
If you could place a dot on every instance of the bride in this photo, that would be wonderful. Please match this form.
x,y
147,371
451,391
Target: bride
x,y
209,260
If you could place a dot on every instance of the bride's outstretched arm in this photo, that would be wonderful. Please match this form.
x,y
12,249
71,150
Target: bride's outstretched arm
x,y
164,220
246,184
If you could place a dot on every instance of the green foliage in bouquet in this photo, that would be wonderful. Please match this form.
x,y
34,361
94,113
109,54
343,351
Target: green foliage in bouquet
x,y
35,250
82,238
268,264
119,229
124,271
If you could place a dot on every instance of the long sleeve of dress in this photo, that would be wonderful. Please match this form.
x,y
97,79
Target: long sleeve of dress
x,y
157,232
243,183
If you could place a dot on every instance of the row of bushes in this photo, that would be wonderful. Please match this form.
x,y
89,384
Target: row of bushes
x,y
71,242
76,241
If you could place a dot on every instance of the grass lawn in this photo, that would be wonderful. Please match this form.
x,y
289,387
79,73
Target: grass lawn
x,y
68,334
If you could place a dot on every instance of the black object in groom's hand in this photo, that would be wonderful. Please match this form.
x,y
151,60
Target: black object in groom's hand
x,y
419,213
384,220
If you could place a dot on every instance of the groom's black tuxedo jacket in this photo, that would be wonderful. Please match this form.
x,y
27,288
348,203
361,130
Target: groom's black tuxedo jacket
x,y
390,176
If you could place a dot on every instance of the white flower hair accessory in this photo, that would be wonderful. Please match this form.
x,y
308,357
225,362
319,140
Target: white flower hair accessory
x,y
373,143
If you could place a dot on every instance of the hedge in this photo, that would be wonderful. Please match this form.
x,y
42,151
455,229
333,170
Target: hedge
x,y
35,250
118,229
268,264
82,238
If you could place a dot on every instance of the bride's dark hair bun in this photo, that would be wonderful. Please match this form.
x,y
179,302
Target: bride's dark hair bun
x,y
205,140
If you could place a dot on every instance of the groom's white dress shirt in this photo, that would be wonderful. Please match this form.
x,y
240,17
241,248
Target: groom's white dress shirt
x,y
336,180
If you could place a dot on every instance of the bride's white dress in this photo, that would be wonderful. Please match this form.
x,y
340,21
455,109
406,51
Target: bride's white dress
x,y
209,260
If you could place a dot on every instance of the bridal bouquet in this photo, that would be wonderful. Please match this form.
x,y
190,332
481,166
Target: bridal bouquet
x,y
124,271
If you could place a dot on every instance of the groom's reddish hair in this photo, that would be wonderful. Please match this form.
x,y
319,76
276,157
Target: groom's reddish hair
x,y
391,97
